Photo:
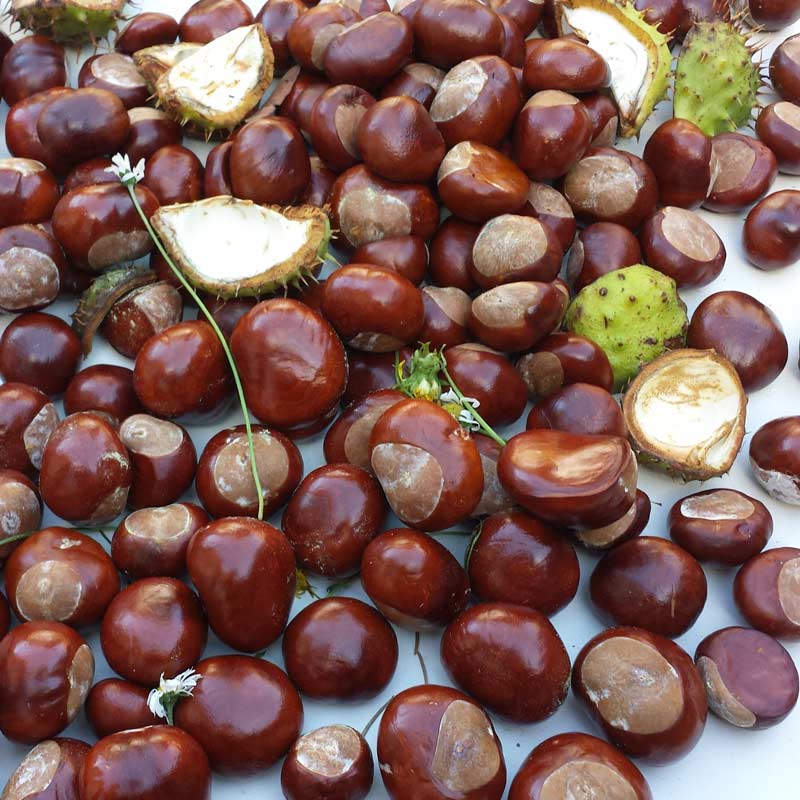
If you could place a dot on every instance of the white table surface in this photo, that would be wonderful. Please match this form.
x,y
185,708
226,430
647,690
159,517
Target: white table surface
x,y
727,763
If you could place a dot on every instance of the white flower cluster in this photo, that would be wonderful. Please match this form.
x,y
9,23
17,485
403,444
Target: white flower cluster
x,y
121,167
169,690
466,417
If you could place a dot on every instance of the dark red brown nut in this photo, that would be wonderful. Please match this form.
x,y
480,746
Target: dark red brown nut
x,y
155,626
610,185
320,184
116,73
551,207
604,116
750,679
743,330
152,542
524,13
517,559
22,139
564,64
334,514
775,458
182,371
311,34
369,52
89,173
86,471
746,169
60,575
141,314
682,245
720,526
40,350
448,33
174,174
494,498
146,29
778,127
429,468
32,65
98,226
244,571
418,81
593,485
666,15
292,363
340,648
150,130
446,315
217,177
516,316
20,510
334,123
370,372
477,183
433,742
46,670
451,254
628,526
27,418
772,15
643,691
579,408
277,17
509,658
209,19
398,140
551,134
366,208
784,69
407,255
649,583
334,760
413,580
28,192
599,249
680,141
771,232
269,162
513,50
146,762
478,99
580,761
304,93
115,705
48,772
5,616
162,457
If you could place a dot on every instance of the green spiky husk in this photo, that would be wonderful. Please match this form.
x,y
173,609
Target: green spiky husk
x,y
716,80
70,22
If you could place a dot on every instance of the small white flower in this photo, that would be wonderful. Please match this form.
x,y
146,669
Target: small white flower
x,y
466,419
121,167
450,397
162,700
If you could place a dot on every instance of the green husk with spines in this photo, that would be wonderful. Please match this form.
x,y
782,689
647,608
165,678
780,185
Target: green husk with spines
x,y
70,22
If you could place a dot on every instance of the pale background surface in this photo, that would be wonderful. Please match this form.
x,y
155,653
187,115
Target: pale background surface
x,y
727,763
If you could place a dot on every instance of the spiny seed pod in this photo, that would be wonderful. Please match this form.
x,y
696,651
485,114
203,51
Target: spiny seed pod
x,y
71,22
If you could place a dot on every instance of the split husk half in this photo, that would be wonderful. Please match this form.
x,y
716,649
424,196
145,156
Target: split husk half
x,y
71,22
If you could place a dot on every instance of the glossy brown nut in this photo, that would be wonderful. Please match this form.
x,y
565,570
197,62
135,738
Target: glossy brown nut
x,y
407,255
746,169
743,330
609,185
154,626
5,616
27,418
209,19
551,207
680,141
28,192
334,122
20,512
594,485
627,527
150,130
599,249
40,350
418,81
174,174
772,15
649,583
516,316
446,315
513,50
60,575
577,759
116,705
413,580
142,763
524,13
517,559
451,254
750,679
334,760
699,11
292,363
509,658
494,498
46,670
89,173
778,127
478,183
771,233
98,226
369,52
477,101
152,542
146,29
115,73
370,372
269,162
303,94
604,116
334,514
320,184
311,34
277,17
48,772
366,208
22,138
244,571
579,408
775,458
429,469
784,69
422,738
566,65
182,371
32,65
643,691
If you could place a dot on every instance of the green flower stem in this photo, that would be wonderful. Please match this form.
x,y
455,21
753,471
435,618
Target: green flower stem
x,y
342,584
16,538
211,321
485,427
418,654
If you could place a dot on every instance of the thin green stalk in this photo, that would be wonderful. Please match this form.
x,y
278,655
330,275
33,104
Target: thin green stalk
x,y
16,538
485,427
418,654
